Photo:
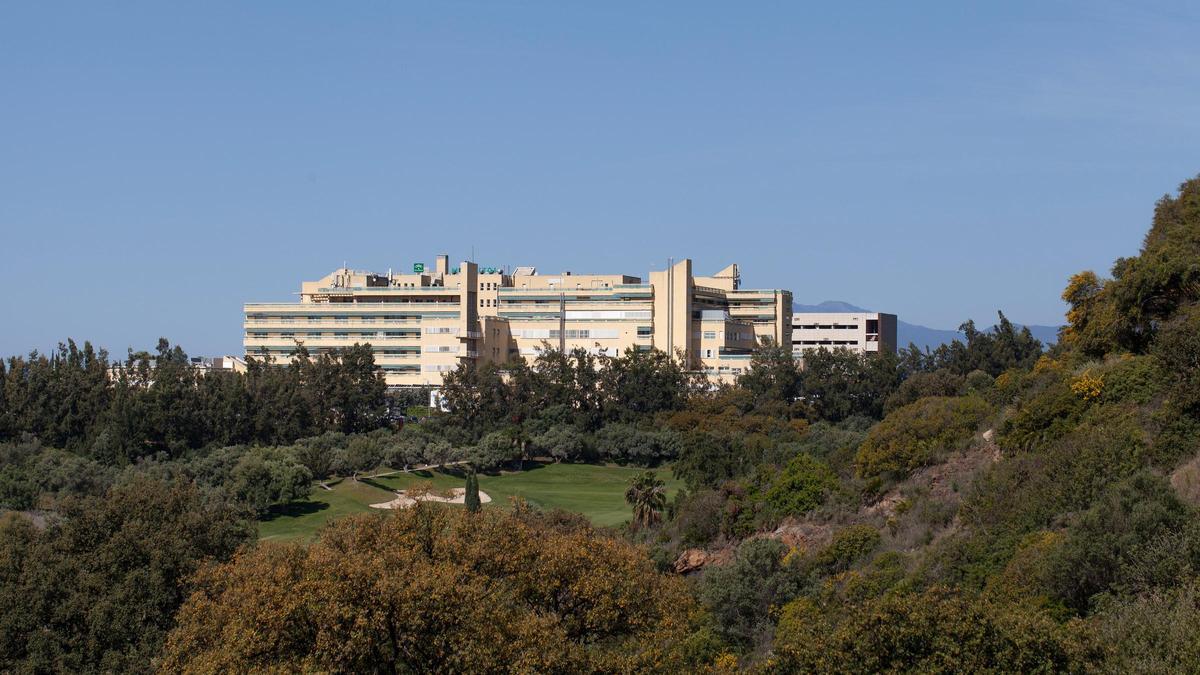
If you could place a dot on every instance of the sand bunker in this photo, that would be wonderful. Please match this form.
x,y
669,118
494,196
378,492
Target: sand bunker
x,y
403,500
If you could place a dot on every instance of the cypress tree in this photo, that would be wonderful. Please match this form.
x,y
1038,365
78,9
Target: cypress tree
x,y
471,498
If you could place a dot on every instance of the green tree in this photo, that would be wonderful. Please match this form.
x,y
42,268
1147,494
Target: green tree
x,y
639,383
471,496
563,443
96,587
647,494
477,398
262,479
493,451
386,593
1145,291
801,486
708,459
773,376
838,383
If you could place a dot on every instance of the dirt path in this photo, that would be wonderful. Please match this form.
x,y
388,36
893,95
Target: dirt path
x,y
424,467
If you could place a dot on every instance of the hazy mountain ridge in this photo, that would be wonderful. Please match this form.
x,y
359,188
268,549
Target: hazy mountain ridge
x,y
922,336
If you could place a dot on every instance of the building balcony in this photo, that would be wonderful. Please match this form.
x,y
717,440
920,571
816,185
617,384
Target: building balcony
x,y
324,339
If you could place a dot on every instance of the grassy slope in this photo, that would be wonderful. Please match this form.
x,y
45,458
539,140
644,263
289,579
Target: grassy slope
x,y
597,492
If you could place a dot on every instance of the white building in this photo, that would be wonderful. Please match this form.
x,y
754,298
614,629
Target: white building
x,y
861,332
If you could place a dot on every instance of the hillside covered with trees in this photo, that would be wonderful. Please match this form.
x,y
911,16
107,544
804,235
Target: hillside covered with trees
x,y
991,505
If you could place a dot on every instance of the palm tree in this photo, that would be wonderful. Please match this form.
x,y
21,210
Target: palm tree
x,y
647,495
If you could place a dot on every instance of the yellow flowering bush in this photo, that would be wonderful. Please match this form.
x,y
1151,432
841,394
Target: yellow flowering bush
x,y
1088,386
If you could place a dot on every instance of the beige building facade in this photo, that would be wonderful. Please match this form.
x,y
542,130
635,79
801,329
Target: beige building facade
x,y
860,332
426,323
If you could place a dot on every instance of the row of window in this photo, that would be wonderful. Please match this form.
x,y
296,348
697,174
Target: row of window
x,y
828,326
730,336
448,298
824,342
336,319
315,334
582,333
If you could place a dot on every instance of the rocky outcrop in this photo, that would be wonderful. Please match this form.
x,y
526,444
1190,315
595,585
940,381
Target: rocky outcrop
x,y
690,560
694,559
803,535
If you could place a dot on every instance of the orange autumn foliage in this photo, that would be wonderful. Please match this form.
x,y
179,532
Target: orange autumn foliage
x,y
435,589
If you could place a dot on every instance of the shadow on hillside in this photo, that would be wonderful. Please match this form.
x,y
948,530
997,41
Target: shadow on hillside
x,y
375,484
293,510
517,466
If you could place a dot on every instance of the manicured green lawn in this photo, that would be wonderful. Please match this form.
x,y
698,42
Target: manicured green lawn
x,y
303,519
595,491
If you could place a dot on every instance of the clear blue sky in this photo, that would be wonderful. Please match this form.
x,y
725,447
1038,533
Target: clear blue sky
x,y
160,164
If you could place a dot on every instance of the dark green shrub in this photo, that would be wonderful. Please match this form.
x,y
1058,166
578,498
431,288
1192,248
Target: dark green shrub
x,y
700,517
563,443
1177,349
918,434
801,486
1125,518
1152,633
836,444
1048,415
740,595
1137,379
849,545
707,460
1024,492
937,631
923,385
980,383
1177,437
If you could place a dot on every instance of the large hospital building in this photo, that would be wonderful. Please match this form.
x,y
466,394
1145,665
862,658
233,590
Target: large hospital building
x,y
426,323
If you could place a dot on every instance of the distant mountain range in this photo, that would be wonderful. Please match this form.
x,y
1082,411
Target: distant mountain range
x,y
922,336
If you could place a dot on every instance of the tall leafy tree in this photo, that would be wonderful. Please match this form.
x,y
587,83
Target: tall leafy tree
x,y
774,375
838,383
387,594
